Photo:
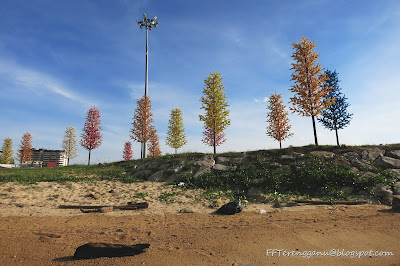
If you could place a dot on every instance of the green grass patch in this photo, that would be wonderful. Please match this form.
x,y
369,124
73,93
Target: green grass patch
x,y
140,195
306,175
168,197
74,173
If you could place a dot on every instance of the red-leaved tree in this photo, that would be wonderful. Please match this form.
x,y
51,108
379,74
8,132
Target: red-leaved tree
x,y
91,136
154,144
25,148
127,153
209,137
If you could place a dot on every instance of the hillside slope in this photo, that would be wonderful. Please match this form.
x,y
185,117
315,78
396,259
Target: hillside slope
x,y
365,172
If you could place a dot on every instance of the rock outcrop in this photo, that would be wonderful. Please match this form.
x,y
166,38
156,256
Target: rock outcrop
x,y
388,162
365,161
396,204
231,208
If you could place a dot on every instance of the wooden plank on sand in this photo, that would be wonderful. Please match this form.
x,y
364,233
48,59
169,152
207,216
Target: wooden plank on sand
x,y
321,202
129,206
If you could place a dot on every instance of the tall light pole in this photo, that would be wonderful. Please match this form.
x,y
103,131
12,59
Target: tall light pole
x,y
149,24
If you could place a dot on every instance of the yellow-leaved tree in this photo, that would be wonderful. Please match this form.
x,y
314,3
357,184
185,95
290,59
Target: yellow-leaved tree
x,y
175,136
309,90
215,106
6,156
278,122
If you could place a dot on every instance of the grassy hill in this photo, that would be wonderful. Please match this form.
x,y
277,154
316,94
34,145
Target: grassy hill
x,y
327,172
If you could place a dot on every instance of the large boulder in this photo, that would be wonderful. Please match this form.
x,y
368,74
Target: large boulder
x,y
231,208
202,171
371,153
157,176
365,166
394,154
324,154
220,167
143,174
222,160
387,162
396,204
396,188
357,161
384,193
352,156
287,157
143,166
98,250
206,161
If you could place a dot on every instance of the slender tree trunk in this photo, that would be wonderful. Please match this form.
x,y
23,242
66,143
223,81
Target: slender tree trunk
x,y
141,150
315,130
337,136
176,150
215,147
89,158
280,144
144,150
68,151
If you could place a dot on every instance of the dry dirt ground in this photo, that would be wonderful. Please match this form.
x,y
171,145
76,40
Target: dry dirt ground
x,y
33,231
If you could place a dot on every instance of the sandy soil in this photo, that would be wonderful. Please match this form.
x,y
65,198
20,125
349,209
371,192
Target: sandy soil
x,y
34,231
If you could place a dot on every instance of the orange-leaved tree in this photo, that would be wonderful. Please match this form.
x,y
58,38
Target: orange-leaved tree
x,y
215,106
277,118
25,148
91,135
154,144
309,91
142,127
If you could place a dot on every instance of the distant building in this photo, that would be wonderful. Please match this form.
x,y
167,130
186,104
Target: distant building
x,y
49,158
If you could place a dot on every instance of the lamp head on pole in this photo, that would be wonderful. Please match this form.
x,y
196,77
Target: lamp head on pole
x,y
147,22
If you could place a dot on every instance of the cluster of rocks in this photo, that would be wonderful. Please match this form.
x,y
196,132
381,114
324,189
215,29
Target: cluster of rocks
x,y
161,169
364,161
369,161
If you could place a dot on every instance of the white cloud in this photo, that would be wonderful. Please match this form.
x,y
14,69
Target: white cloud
x,y
266,99
38,82
234,36
274,49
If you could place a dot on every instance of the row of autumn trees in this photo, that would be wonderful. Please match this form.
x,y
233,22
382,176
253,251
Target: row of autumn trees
x,y
316,93
215,121
24,153
91,138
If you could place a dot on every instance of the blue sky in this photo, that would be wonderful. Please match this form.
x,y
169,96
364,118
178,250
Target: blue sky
x,y
59,58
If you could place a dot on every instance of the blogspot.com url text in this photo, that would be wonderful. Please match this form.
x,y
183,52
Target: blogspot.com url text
x,y
331,253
